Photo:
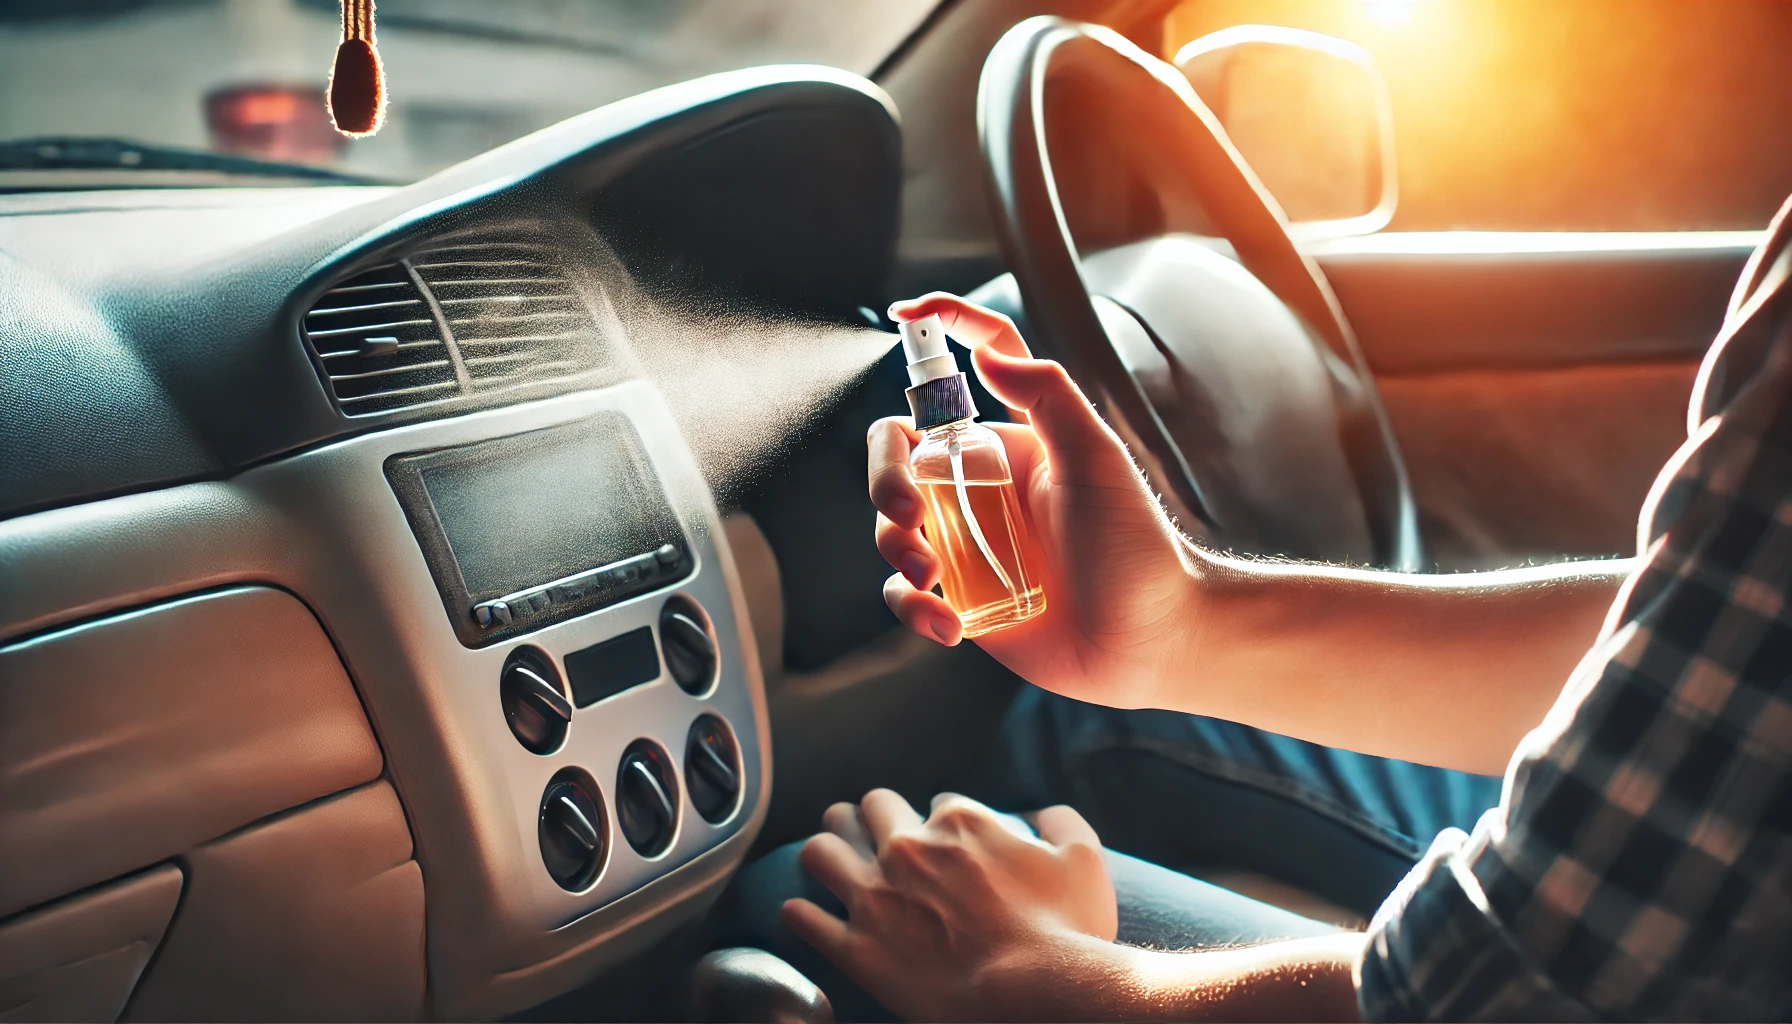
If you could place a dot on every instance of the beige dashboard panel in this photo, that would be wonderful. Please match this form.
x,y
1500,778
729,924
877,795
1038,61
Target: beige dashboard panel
x,y
325,524
134,738
78,960
316,915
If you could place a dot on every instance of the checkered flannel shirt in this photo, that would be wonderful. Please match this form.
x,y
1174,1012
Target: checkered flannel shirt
x,y
1639,864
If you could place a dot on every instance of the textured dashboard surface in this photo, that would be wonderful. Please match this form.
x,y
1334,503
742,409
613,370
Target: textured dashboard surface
x,y
153,337
82,411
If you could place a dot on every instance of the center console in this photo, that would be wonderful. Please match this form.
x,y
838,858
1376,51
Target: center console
x,y
540,610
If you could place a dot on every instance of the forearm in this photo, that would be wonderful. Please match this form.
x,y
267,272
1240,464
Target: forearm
x,y
1448,670
1298,979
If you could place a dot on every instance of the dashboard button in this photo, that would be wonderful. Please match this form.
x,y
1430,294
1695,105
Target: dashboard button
x,y
492,613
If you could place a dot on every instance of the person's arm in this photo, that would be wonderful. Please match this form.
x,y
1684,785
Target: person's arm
x,y
1446,670
1295,979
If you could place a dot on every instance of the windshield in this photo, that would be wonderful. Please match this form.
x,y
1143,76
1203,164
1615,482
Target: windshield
x,y
246,77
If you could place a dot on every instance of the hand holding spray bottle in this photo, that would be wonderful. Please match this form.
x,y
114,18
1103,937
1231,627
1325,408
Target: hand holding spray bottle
x,y
973,517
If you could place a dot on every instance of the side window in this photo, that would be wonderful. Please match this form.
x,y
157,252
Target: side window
x,y
1565,115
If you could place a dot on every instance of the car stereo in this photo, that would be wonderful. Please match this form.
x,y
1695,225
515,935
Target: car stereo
x,y
524,531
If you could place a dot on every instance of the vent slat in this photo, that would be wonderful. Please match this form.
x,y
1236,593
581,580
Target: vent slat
x,y
487,282
329,311
515,314
355,289
503,357
520,339
379,348
403,346
562,314
391,325
401,392
503,298
392,370
446,264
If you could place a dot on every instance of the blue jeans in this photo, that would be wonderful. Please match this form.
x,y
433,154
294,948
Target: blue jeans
x,y
1167,793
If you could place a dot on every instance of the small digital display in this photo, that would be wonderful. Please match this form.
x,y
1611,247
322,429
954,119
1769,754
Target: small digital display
x,y
617,664
518,515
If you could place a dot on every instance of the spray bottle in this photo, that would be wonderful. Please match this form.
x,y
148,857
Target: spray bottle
x,y
973,516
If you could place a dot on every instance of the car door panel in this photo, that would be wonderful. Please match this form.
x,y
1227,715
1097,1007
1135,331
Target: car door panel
x,y
1516,465
1536,382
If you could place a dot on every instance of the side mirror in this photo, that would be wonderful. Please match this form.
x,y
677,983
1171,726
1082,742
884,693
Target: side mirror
x,y
1311,115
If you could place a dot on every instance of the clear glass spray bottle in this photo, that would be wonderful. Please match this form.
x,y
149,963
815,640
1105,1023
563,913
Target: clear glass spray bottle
x,y
973,514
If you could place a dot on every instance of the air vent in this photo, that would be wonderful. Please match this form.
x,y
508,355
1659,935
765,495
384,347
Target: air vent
x,y
379,344
511,310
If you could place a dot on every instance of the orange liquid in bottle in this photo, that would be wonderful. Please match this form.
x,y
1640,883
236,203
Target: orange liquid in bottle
x,y
969,584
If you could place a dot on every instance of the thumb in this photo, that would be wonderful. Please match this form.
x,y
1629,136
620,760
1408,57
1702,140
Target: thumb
x,y
1063,826
1081,449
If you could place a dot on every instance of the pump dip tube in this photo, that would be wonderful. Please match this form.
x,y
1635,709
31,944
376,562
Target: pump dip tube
x,y
973,516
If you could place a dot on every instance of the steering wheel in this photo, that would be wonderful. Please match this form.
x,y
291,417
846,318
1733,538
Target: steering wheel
x,y
1239,383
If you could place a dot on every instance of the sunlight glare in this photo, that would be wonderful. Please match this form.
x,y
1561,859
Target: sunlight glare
x,y
1390,12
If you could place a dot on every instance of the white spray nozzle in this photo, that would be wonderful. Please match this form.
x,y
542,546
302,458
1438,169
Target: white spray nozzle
x,y
924,346
923,339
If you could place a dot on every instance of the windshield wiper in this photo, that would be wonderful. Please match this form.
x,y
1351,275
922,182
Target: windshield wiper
x,y
64,153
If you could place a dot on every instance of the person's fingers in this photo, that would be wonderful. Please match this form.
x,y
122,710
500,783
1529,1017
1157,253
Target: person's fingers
x,y
893,488
1082,450
815,926
1079,849
954,802
973,325
833,862
887,814
1063,826
1021,442
908,551
960,813
842,819
923,611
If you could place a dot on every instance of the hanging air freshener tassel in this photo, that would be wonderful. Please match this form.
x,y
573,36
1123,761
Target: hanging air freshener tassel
x,y
357,82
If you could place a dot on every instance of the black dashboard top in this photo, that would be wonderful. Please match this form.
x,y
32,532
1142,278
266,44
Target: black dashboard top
x,y
154,337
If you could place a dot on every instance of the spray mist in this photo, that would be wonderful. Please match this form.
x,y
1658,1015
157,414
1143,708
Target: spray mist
x,y
973,516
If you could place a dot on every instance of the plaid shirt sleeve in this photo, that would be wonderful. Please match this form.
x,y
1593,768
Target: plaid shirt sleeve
x,y
1639,864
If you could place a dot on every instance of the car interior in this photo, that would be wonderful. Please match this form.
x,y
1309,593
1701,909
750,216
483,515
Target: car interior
x,y
425,584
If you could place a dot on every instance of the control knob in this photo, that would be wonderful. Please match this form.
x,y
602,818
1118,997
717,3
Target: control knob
x,y
571,830
690,650
712,769
647,798
534,699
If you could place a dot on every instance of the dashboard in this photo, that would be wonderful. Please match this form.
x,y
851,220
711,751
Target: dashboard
x,y
361,587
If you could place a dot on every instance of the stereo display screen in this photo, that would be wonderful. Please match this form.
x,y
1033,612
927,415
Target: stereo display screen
x,y
520,515
514,528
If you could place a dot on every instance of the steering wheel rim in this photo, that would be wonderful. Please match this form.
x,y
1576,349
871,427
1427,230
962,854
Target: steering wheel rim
x,y
1064,320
